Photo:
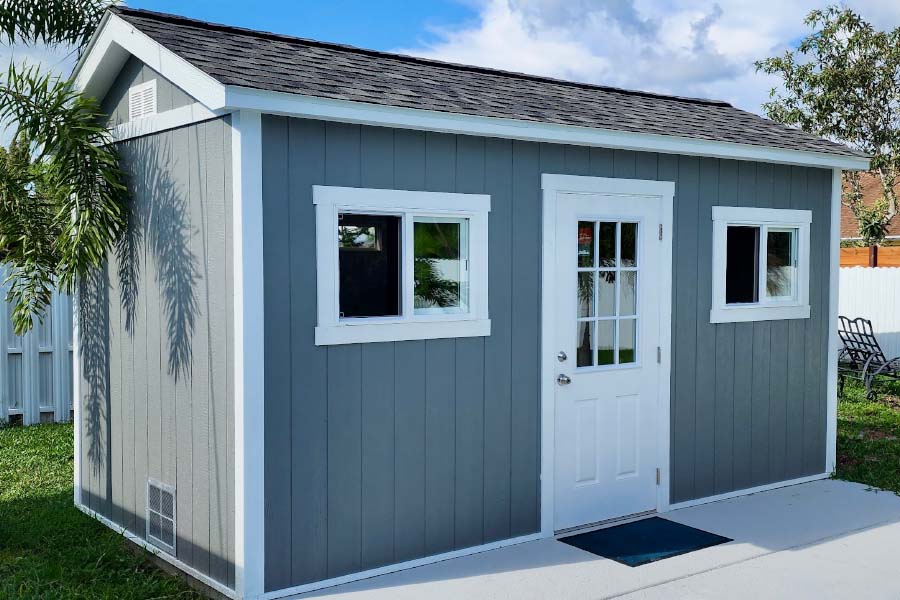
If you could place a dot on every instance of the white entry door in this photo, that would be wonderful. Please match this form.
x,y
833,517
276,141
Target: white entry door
x,y
607,333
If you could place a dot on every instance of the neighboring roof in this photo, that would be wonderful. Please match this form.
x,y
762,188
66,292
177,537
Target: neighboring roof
x,y
241,57
871,191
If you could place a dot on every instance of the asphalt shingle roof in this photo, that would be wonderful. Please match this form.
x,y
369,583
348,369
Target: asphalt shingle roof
x,y
267,61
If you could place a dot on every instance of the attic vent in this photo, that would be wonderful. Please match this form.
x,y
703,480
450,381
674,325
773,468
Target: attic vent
x,y
161,515
142,100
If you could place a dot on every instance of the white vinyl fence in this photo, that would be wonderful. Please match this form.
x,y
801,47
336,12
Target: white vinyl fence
x,y
36,369
875,295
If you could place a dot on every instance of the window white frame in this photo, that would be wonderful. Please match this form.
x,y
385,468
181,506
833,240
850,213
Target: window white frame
x,y
332,200
766,308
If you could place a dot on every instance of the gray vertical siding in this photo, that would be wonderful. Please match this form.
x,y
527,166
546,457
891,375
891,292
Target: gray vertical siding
x,y
134,72
156,348
381,453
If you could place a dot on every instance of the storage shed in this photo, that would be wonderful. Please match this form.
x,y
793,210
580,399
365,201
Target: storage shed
x,y
375,311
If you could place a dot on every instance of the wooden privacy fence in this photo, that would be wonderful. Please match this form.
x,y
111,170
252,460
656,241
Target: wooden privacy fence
x,y
875,295
885,256
36,369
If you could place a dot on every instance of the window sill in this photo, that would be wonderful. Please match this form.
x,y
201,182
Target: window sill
x,y
743,314
366,333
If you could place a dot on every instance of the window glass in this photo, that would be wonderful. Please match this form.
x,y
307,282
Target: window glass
x,y
440,265
369,264
627,341
606,342
585,243
607,244
781,270
742,264
629,244
585,347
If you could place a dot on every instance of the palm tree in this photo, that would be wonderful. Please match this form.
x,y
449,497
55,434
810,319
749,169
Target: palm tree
x,y
62,197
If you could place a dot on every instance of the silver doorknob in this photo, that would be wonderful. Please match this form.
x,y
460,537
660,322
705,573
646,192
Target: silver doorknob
x,y
563,379
562,356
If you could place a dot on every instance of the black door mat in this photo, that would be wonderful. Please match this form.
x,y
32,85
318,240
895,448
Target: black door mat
x,y
645,541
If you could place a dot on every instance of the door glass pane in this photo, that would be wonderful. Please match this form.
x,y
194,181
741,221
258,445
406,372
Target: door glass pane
x,y
606,293
780,260
586,294
606,341
440,265
369,265
629,244
585,243
627,292
584,344
627,342
607,244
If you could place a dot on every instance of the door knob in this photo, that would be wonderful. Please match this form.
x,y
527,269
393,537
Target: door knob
x,y
562,356
563,379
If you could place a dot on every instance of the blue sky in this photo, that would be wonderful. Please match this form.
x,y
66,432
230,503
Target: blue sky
x,y
376,24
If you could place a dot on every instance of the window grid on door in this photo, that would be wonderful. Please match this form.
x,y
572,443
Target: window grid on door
x,y
607,294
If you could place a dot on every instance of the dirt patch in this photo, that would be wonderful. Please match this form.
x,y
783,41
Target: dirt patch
x,y
848,461
878,434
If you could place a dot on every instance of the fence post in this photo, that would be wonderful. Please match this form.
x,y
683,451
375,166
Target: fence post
x,y
873,256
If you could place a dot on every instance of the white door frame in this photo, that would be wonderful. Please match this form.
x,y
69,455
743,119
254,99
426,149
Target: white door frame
x,y
552,185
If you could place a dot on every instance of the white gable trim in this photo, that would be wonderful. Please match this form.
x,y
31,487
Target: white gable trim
x,y
116,39
108,50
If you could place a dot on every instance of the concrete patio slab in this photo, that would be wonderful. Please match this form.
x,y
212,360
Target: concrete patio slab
x,y
822,539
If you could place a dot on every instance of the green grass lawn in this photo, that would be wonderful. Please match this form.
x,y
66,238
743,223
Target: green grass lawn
x,y
48,548
868,442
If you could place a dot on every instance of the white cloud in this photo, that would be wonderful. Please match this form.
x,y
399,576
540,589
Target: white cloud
x,y
702,48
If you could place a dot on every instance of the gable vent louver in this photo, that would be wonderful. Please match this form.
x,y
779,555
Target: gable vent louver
x,y
161,516
142,100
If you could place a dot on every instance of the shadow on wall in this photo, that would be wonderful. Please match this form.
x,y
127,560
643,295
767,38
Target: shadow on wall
x,y
158,229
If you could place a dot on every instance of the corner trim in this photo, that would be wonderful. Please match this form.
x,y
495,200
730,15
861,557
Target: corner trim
x,y
189,570
833,342
76,391
747,491
249,346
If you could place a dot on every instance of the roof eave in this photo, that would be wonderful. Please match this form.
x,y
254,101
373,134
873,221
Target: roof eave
x,y
281,103
116,39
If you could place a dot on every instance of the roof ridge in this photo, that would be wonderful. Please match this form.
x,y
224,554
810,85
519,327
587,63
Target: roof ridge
x,y
160,16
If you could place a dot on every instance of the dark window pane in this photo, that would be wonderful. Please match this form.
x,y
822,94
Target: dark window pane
x,y
606,342
629,244
742,266
369,257
584,348
607,244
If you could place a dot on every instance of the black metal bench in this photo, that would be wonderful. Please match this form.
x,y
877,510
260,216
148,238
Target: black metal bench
x,y
862,357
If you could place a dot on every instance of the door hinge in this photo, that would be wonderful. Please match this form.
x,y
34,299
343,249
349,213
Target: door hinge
x,y
657,476
660,231
658,355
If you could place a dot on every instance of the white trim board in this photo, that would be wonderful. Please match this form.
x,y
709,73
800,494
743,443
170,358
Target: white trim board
x,y
169,119
410,564
189,570
249,348
747,492
833,341
412,118
76,393
552,185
